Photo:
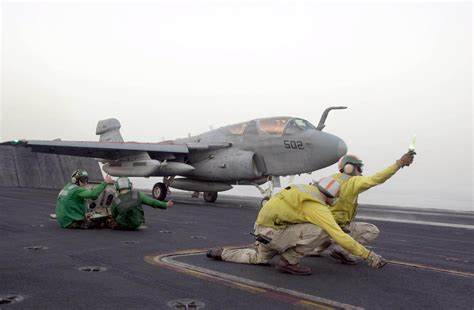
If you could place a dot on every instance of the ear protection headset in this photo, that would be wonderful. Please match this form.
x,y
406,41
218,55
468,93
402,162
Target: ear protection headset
x,y
79,175
73,176
348,168
348,163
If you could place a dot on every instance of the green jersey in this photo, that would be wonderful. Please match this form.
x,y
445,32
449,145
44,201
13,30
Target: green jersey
x,y
127,208
70,204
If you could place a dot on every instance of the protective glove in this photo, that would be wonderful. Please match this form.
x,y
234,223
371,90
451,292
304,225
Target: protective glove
x,y
406,160
376,261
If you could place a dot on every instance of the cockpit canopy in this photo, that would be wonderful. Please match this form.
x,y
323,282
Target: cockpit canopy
x,y
277,126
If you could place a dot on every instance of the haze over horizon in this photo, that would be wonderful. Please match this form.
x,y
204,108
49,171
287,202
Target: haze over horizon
x,y
171,68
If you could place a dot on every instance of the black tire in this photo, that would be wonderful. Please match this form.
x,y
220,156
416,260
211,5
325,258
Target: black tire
x,y
210,196
264,201
159,191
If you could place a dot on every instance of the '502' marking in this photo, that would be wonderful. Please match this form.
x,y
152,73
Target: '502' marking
x,y
292,144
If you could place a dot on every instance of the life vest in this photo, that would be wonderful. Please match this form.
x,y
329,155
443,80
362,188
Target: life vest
x,y
127,201
285,208
343,210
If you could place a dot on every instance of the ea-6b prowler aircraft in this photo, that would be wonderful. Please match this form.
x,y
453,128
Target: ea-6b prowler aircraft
x,y
249,153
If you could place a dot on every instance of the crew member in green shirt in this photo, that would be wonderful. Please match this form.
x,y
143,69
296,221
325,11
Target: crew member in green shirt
x,y
70,208
127,211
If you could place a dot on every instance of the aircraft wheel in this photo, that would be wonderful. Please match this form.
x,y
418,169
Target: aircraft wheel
x,y
159,191
210,196
264,201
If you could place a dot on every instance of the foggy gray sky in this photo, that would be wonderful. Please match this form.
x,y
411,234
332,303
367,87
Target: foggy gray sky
x,y
172,68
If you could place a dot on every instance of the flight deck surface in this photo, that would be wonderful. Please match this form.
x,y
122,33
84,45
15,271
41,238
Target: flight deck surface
x,y
42,266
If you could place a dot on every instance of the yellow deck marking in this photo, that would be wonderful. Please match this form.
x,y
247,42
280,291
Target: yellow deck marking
x,y
251,286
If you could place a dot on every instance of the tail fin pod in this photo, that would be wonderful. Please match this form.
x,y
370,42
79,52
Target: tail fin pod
x,y
109,130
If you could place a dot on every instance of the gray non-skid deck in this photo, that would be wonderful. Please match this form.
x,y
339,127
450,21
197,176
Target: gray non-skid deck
x,y
432,264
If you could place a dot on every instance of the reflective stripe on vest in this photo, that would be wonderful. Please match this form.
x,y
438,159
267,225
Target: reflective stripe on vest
x,y
314,193
341,178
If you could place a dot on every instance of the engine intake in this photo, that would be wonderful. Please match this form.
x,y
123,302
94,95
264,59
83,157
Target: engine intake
x,y
228,165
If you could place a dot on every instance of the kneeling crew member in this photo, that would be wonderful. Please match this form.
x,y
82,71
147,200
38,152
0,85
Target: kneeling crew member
x,y
293,223
70,208
352,183
127,211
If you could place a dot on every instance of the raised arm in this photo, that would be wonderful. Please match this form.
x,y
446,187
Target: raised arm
x,y
359,184
147,200
92,193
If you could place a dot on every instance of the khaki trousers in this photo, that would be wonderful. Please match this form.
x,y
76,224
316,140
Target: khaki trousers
x,y
359,231
293,242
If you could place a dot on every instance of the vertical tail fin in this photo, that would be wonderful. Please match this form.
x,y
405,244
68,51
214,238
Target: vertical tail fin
x,y
109,130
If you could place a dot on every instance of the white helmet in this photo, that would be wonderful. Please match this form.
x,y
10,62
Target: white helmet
x,y
123,183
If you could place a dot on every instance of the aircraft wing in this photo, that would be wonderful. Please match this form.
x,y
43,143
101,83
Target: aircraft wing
x,y
113,150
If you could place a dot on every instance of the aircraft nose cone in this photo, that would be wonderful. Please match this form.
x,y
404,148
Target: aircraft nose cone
x,y
341,148
327,150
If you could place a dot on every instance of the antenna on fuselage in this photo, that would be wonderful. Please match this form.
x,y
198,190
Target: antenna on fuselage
x,y
325,115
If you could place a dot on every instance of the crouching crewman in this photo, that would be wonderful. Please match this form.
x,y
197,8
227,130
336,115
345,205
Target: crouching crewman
x,y
292,224
127,211
70,208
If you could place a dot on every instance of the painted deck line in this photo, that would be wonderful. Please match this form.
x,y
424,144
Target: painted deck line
x,y
255,287
383,219
448,271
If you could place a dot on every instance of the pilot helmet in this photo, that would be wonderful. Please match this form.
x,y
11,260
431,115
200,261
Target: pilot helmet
x,y
348,163
123,183
329,186
80,175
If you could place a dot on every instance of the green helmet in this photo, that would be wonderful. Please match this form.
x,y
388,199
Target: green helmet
x,y
80,175
349,159
123,183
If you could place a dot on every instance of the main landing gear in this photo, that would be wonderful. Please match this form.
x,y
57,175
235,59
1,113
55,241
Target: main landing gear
x,y
267,193
210,196
161,189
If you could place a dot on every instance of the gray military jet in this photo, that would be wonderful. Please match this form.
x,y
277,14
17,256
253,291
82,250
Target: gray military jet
x,y
249,153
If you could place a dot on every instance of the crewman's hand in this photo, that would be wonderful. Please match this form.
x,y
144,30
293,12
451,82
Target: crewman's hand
x,y
169,204
376,261
108,179
406,160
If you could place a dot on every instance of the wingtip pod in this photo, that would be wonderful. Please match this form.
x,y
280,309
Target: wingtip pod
x,y
15,142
